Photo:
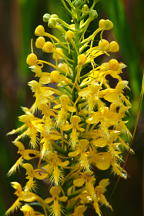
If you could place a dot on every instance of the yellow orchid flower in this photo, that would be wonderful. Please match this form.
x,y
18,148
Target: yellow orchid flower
x,y
75,120
25,196
82,153
26,154
91,93
55,166
32,173
56,199
65,105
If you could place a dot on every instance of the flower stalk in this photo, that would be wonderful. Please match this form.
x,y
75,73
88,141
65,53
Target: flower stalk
x,y
76,129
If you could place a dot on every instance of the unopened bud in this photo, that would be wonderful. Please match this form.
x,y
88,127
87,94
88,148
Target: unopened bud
x,y
69,35
40,41
85,9
55,76
82,59
58,54
105,24
93,14
103,45
46,17
52,23
113,64
63,67
31,59
114,46
39,31
48,47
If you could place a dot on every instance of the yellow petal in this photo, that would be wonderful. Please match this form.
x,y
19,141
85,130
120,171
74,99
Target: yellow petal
x,y
73,154
64,164
30,154
94,119
15,166
79,210
104,201
55,191
45,78
28,197
14,206
71,109
104,183
40,174
100,142
79,182
63,199
103,160
66,127
97,208
48,200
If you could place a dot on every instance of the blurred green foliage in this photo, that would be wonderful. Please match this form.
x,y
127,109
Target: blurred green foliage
x,y
116,13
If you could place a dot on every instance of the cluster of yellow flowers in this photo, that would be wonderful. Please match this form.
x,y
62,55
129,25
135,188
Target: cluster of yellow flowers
x,y
76,126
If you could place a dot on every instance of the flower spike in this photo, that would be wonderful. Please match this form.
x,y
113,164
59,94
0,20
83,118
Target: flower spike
x,y
75,132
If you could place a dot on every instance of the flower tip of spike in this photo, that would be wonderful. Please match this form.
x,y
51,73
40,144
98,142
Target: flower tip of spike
x,y
52,22
46,17
85,9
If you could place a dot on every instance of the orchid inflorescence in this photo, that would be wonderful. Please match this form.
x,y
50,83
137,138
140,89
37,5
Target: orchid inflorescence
x,y
76,126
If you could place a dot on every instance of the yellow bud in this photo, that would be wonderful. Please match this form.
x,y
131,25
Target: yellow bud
x,y
105,24
52,22
46,17
64,99
69,35
82,59
103,45
40,41
75,119
85,9
103,160
54,16
31,59
114,46
113,64
58,54
27,209
55,76
105,66
39,31
79,182
55,191
63,67
48,47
